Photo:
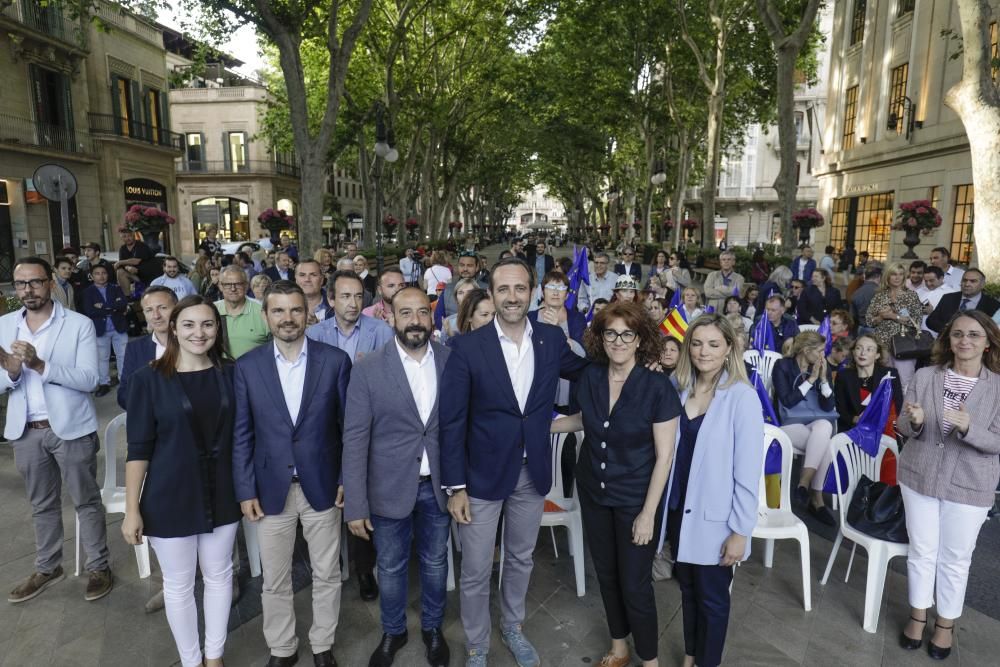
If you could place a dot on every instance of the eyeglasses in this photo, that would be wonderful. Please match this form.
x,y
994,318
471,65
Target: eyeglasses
x,y
557,287
628,254
34,283
601,261
232,285
959,335
627,336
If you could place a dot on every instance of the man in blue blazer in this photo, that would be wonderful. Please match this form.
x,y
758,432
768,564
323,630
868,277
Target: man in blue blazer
x,y
48,356
804,265
106,305
157,303
348,329
627,267
287,444
495,454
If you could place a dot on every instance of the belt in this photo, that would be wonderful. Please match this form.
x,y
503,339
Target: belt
x,y
295,479
424,478
44,423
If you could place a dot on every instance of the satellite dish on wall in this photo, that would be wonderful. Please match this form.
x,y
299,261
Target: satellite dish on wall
x,y
57,183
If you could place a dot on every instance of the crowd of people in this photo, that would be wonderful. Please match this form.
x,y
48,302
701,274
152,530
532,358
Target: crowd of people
x,y
290,390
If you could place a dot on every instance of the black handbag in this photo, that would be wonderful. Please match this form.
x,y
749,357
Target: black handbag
x,y
913,347
877,510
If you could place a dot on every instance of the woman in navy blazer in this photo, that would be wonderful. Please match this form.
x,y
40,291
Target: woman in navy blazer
x,y
711,500
178,475
801,381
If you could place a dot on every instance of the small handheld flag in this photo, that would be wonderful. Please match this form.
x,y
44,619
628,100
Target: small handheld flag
x,y
867,433
674,324
578,273
762,338
675,300
824,330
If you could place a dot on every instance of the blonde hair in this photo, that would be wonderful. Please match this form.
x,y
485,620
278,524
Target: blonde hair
x,y
697,293
686,373
805,341
889,270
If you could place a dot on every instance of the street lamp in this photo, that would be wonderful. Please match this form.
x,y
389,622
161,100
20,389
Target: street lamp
x,y
659,176
384,150
750,226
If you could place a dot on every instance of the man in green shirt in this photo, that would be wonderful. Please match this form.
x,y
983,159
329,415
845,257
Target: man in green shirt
x,y
245,326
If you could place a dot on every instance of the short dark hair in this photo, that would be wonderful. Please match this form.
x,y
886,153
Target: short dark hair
x,y
565,264
555,277
972,269
944,251
62,259
512,261
37,261
468,307
171,258
392,269
101,267
635,318
918,264
599,302
158,289
936,270
282,287
830,249
331,284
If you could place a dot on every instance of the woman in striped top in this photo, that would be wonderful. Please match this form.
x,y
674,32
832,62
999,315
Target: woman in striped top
x,y
948,470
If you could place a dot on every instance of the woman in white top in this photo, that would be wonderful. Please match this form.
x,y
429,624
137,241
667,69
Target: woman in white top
x,y
437,274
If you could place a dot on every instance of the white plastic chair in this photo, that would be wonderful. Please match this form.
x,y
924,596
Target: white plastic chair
x,y
880,552
561,511
808,327
112,495
764,365
781,523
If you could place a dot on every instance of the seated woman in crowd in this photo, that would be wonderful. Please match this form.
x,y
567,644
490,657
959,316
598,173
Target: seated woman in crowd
x,y
555,290
948,471
632,412
179,474
896,311
476,310
660,265
777,283
670,354
818,299
734,306
626,290
856,383
677,277
841,324
657,310
803,385
748,302
691,304
711,499
449,326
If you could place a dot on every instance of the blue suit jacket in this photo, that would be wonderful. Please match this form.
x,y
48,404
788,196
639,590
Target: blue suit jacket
x,y
635,270
374,332
138,353
114,305
725,475
807,273
267,446
484,436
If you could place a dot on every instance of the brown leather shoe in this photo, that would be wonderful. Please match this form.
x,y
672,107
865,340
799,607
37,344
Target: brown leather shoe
x,y
99,584
34,585
610,660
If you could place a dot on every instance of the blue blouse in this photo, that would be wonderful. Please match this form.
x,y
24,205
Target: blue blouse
x,y
683,457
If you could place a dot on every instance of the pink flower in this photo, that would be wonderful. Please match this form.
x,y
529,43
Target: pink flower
x,y
132,216
922,210
169,219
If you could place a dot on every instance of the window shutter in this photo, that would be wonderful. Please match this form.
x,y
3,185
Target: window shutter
x,y
246,152
225,151
116,104
137,111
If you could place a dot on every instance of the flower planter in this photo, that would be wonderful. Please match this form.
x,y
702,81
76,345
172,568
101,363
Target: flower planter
x,y
911,240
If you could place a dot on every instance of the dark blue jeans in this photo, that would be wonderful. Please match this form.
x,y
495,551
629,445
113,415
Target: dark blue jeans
x,y
429,526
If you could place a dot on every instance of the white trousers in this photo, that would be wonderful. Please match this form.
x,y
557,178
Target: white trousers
x,y
942,538
813,440
180,558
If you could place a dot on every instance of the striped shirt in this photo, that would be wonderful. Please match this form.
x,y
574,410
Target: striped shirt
x,y
956,389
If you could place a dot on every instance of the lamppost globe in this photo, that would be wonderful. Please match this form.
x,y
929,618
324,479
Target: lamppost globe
x,y
392,155
382,149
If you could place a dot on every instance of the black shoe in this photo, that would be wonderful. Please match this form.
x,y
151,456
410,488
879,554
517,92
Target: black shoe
x,y
437,652
935,651
324,659
102,390
912,644
800,495
823,515
369,589
385,652
287,661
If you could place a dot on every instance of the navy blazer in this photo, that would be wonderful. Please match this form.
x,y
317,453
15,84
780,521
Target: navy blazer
x,y
114,305
948,306
267,446
185,493
814,305
484,436
635,270
272,273
138,354
787,377
807,274
576,322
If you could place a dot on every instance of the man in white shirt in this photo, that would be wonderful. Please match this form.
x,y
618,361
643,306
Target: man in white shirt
x,y
411,269
282,269
915,281
48,367
934,289
173,279
392,479
309,276
602,283
941,258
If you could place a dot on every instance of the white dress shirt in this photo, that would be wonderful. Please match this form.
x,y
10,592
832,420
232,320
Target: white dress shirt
x,y
953,277
34,382
158,349
422,378
292,375
933,297
520,362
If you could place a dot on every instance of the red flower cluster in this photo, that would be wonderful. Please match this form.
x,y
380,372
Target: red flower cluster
x,y
412,224
690,223
275,220
141,219
390,222
455,224
807,217
917,216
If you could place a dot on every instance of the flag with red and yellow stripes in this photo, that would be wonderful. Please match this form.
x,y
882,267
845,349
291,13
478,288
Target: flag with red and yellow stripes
x,y
674,324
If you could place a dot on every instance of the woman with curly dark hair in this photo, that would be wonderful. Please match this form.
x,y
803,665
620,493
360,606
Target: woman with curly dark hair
x,y
629,416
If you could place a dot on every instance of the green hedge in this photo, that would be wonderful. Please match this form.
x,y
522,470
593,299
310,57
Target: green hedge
x,y
993,290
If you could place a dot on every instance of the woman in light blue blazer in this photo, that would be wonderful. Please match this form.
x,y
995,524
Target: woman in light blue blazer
x,y
711,500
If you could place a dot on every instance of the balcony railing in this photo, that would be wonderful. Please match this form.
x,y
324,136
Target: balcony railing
x,y
47,20
129,129
15,130
258,167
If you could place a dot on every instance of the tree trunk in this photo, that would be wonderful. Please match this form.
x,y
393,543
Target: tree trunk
x,y
716,104
786,184
680,184
977,102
